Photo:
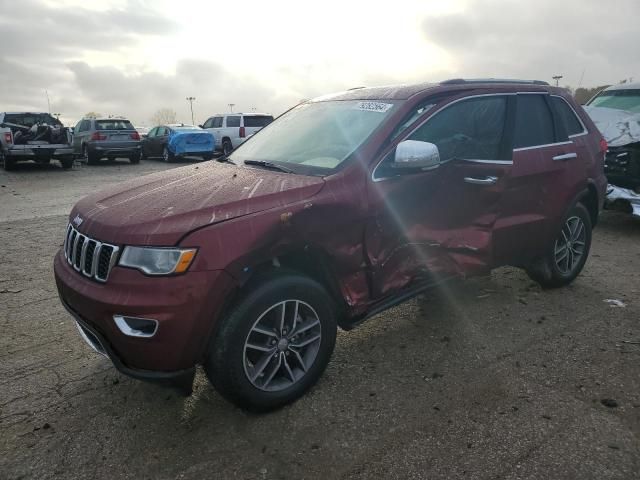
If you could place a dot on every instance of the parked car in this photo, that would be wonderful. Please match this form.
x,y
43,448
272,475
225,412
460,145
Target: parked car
x,y
97,138
616,112
174,141
34,136
232,129
344,207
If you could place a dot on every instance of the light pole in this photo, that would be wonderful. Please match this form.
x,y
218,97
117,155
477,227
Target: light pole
x,y
231,105
557,78
190,100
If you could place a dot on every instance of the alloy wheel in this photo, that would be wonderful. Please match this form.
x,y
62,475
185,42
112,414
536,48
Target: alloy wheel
x,y
570,245
282,345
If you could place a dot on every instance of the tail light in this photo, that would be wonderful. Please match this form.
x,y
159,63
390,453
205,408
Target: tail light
x,y
604,146
135,136
8,138
242,132
98,136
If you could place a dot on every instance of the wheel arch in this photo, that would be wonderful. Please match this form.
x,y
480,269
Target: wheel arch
x,y
590,199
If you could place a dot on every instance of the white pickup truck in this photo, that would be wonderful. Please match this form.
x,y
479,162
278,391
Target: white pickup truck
x,y
231,129
34,136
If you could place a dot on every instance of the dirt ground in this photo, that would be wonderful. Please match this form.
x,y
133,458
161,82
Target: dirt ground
x,y
491,378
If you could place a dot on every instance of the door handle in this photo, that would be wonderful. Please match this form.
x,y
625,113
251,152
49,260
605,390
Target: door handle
x,y
481,181
566,156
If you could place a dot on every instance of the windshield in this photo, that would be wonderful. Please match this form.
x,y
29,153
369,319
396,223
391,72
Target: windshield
x,y
619,99
317,134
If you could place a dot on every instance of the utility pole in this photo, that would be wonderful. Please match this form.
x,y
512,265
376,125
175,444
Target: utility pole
x,y
231,105
48,102
557,79
190,100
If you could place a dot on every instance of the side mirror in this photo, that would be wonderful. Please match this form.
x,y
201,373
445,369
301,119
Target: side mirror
x,y
414,154
200,126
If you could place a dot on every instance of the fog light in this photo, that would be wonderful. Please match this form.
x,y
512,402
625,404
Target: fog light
x,y
135,326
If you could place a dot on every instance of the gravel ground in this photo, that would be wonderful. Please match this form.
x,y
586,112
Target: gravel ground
x,y
491,378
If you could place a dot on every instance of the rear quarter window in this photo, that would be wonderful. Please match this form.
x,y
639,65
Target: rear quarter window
x,y
233,121
257,120
567,116
534,122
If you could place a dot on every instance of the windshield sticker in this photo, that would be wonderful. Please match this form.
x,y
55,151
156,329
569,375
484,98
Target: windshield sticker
x,y
373,106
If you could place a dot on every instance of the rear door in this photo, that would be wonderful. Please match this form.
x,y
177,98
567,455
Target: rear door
x,y
440,223
546,175
232,129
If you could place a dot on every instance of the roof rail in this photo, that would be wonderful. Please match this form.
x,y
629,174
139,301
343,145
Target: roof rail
x,y
465,81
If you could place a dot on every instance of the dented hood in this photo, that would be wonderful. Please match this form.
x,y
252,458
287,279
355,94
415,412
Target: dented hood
x,y
161,208
618,127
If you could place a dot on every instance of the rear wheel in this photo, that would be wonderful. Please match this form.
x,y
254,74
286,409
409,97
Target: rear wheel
x,y
167,155
66,163
568,254
9,163
274,345
90,157
227,148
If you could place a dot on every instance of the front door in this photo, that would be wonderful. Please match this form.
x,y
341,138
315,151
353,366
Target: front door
x,y
439,223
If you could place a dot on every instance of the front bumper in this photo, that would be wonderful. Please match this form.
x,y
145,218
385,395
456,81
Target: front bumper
x,y
623,197
184,306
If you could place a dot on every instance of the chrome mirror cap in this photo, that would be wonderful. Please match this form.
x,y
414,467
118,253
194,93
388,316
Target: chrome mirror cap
x,y
414,154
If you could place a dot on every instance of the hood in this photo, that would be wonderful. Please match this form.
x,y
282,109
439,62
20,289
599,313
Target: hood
x,y
618,127
161,208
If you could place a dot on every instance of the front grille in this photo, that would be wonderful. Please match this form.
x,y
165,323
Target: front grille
x,y
92,258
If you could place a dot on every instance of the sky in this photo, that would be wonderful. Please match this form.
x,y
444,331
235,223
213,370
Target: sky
x,y
132,58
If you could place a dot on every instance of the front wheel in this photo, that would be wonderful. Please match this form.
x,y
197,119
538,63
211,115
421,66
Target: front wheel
x,y
274,345
566,257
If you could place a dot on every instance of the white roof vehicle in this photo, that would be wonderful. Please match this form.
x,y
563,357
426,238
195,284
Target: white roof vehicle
x,y
230,130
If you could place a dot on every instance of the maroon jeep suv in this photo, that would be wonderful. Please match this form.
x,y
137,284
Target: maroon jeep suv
x,y
343,207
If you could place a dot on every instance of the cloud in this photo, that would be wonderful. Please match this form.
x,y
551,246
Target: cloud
x,y
493,38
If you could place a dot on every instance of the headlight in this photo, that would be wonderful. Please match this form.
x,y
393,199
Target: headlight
x,y
157,261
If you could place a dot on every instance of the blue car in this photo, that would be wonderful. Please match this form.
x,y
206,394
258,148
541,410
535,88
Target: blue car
x,y
174,141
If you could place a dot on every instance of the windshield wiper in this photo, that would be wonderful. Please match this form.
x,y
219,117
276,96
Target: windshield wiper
x,y
262,163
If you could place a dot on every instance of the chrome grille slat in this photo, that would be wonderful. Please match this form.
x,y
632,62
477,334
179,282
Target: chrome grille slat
x,y
77,252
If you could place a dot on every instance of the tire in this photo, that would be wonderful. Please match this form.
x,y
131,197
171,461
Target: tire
x,y
208,156
9,163
231,364
167,155
559,266
91,157
227,148
67,163
135,159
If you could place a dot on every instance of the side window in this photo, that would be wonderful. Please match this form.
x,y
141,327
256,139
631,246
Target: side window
x,y
77,127
572,125
471,129
208,123
153,132
162,131
217,122
233,121
534,123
